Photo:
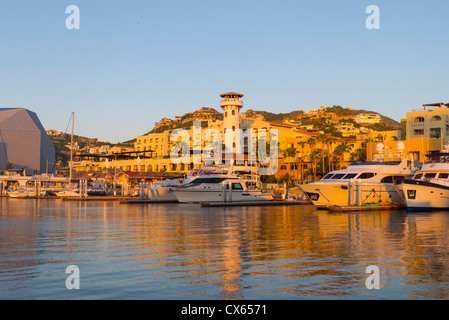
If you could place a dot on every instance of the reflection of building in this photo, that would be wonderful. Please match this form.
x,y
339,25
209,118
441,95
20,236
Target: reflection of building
x,y
24,142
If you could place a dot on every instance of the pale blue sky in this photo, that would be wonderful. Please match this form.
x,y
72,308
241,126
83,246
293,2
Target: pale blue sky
x,y
134,62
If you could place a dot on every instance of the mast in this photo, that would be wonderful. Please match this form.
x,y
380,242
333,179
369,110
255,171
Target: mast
x,y
71,149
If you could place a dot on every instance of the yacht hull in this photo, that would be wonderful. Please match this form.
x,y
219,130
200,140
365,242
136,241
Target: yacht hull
x,y
197,196
323,195
162,194
423,195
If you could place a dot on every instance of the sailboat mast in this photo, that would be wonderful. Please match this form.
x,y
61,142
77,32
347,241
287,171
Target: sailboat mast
x,y
71,147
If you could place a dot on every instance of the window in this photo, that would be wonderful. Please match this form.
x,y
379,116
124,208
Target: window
x,y
233,112
350,176
430,175
328,176
338,176
443,175
418,132
226,114
208,180
237,186
233,128
283,167
435,118
388,179
435,133
419,119
398,179
367,175
417,176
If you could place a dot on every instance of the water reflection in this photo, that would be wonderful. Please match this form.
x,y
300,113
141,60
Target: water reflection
x,y
183,251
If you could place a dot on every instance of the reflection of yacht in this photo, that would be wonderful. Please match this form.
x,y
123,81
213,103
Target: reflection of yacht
x,y
361,183
162,190
216,188
429,188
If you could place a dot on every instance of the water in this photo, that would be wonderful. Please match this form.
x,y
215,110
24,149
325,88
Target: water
x,y
187,252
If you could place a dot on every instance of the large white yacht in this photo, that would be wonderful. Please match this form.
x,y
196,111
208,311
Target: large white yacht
x,y
361,183
161,191
429,188
221,188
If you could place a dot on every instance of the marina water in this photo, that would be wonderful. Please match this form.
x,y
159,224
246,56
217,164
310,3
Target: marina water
x,y
189,252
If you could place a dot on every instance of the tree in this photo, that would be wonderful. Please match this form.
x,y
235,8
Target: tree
x,y
340,150
359,154
314,156
301,158
329,141
322,138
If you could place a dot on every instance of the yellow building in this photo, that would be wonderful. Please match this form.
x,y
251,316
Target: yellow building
x,y
427,131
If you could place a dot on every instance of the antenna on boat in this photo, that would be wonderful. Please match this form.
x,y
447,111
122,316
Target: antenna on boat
x,y
71,149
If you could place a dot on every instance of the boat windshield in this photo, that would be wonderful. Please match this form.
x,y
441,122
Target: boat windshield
x,y
208,180
417,176
375,163
328,176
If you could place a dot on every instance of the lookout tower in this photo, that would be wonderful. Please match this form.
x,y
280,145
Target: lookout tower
x,y
231,105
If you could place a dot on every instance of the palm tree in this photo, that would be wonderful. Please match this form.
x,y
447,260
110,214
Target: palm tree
x,y
314,155
322,138
329,141
359,154
300,159
340,150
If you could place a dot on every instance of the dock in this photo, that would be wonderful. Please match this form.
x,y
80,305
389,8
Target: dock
x,y
365,208
256,203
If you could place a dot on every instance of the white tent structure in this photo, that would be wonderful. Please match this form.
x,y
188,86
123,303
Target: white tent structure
x,y
24,142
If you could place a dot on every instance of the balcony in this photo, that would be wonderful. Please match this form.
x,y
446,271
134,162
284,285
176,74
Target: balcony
x,y
231,103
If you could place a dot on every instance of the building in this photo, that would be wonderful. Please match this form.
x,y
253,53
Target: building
x,y
427,130
368,118
231,106
24,143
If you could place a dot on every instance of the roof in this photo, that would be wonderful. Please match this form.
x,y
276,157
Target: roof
x,y
231,94
19,119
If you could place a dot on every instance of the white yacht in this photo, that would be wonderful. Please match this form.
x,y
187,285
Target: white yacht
x,y
25,193
361,183
162,190
429,188
219,188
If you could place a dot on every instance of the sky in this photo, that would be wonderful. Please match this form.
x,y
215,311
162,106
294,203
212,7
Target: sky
x,y
134,62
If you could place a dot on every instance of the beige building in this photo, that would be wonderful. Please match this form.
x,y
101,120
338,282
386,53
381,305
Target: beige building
x,y
368,118
427,131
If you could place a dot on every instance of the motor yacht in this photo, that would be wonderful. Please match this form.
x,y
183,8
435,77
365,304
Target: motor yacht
x,y
162,190
361,183
219,188
429,188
